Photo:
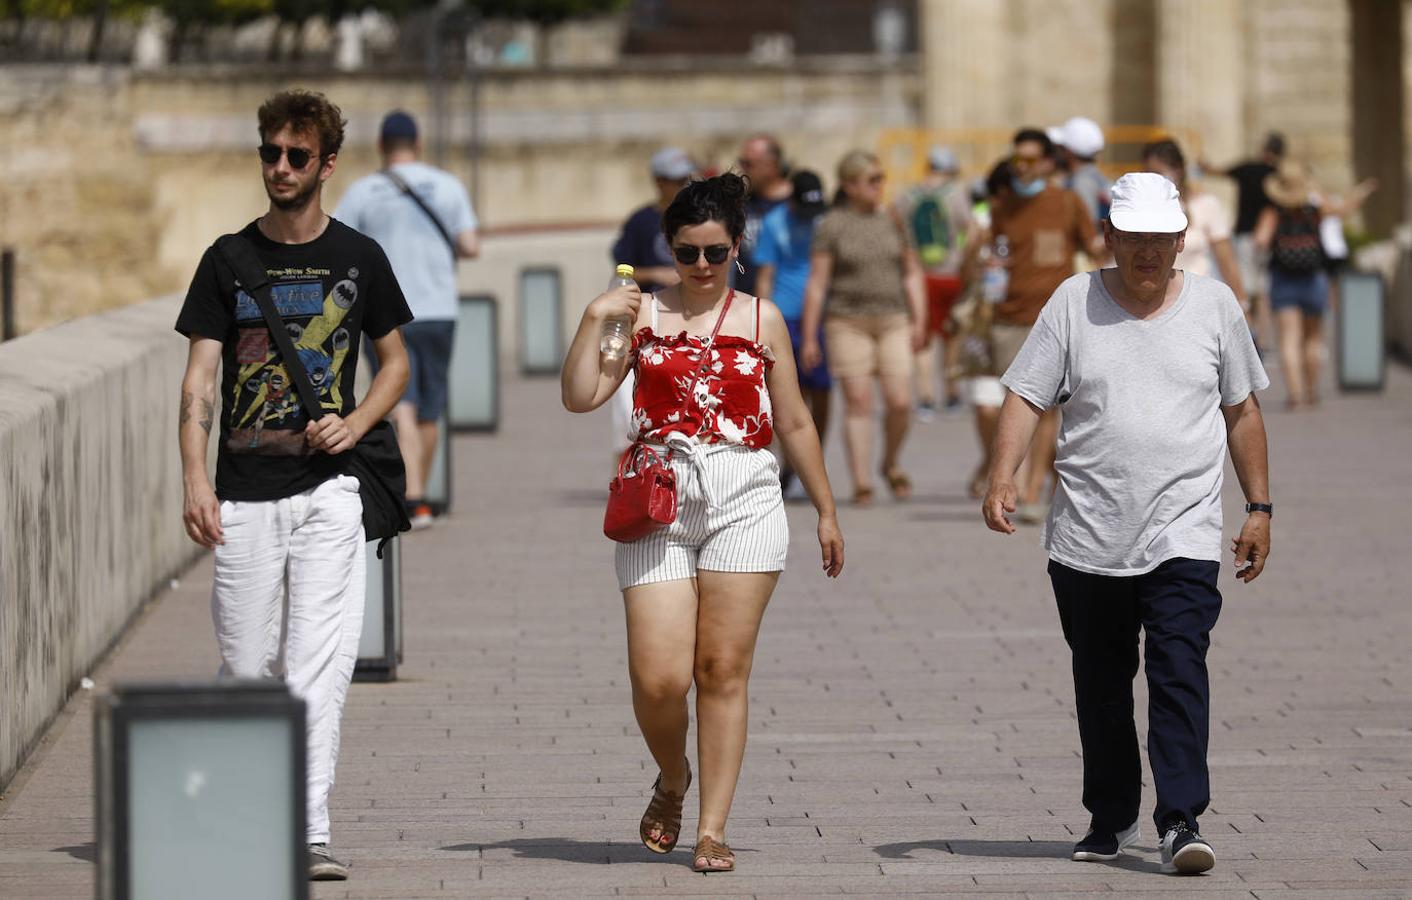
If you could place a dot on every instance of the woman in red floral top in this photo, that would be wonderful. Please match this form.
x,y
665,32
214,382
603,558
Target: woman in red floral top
x,y
716,382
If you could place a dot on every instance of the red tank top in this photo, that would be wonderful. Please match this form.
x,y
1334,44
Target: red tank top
x,y
728,404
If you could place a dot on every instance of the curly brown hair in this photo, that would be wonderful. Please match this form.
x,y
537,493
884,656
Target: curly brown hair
x,y
306,112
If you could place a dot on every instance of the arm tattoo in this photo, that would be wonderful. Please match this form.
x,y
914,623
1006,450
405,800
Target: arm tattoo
x,y
189,402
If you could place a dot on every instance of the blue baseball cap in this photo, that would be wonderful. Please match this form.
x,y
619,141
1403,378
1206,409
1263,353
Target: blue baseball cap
x,y
398,126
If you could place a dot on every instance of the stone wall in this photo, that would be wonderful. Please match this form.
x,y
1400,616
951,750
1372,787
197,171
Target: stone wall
x,y
90,501
121,180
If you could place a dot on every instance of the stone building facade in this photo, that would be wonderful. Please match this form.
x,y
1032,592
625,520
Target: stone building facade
x,y
114,181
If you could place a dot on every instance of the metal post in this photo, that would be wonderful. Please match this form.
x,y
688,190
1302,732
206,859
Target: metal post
x,y
473,146
7,294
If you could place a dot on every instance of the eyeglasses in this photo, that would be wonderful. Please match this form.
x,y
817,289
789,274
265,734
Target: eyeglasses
x,y
687,255
298,156
876,178
1150,241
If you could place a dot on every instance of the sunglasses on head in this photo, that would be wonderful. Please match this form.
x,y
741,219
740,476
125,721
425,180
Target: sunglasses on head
x,y
715,254
298,156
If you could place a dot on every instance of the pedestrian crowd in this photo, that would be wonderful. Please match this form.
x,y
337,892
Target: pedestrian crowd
x,y
1103,333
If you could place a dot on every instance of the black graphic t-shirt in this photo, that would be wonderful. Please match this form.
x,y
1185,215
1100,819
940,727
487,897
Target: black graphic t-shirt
x,y
329,292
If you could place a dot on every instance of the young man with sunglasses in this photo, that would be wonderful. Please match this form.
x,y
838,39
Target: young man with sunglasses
x,y
284,520
1156,373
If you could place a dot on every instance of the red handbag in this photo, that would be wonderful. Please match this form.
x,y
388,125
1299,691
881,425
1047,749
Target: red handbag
x,y
643,497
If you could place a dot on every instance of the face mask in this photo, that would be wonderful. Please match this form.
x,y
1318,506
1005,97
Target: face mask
x,y
1027,188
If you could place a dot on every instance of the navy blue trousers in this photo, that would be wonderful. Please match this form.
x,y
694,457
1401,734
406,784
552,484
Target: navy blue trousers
x,y
1176,605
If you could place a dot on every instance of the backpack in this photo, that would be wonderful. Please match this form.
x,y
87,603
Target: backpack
x,y
931,227
1296,248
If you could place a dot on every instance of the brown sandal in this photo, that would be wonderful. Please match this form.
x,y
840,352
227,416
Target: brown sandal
x,y
708,848
663,814
899,483
863,496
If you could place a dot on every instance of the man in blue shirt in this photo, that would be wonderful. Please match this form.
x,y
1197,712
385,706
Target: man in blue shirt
x,y
782,270
642,244
422,218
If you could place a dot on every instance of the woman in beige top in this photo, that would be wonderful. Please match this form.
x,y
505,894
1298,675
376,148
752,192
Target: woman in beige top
x,y
865,283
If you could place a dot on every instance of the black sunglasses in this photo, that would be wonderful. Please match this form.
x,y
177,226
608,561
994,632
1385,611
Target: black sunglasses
x,y
298,156
715,254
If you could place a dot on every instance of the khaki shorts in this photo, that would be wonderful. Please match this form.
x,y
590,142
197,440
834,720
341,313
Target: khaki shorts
x,y
1005,342
869,345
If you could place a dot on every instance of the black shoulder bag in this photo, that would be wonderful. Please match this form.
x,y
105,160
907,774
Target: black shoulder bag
x,y
376,461
421,204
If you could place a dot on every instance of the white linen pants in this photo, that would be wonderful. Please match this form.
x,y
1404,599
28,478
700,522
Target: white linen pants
x,y
288,603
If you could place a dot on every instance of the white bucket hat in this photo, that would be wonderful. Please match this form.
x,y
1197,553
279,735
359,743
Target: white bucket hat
x,y
1145,202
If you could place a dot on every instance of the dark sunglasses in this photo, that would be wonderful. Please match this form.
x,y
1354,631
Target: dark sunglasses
x,y
715,254
298,156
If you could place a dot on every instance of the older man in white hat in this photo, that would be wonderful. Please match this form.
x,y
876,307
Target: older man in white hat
x,y
1156,374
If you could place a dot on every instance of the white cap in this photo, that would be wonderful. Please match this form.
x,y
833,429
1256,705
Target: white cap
x,y
1145,202
1081,137
943,159
1055,133
672,164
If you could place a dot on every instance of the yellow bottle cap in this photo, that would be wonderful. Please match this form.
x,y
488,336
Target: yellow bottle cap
x,y
625,270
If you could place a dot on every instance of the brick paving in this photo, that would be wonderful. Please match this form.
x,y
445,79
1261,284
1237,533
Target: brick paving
x,y
911,724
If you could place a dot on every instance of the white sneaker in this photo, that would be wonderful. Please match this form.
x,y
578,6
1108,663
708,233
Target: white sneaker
x,y
1099,846
1185,852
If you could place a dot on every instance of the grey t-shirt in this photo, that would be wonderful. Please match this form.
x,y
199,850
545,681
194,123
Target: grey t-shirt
x,y
1142,445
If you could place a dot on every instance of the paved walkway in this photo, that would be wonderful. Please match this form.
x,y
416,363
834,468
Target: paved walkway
x,y
911,725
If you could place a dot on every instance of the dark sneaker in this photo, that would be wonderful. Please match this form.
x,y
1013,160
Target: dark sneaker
x,y
1184,851
1104,845
322,865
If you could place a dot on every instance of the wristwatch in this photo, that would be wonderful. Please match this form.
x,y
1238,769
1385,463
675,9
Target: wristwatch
x,y
1266,508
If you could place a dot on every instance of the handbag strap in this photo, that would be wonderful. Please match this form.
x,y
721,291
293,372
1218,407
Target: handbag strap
x,y
240,255
421,204
705,351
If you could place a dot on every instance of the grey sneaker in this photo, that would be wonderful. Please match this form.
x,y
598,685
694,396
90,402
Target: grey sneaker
x,y
1184,851
322,865
1105,845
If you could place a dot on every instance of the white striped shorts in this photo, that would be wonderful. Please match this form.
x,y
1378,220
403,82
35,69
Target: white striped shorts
x,y
730,518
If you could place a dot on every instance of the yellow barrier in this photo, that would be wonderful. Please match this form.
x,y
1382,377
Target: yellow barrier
x,y
903,151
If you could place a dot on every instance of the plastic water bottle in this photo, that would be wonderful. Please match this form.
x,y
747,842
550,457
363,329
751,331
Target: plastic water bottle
x,y
617,330
995,278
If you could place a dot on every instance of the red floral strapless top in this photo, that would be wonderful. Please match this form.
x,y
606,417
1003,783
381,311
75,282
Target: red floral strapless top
x,y
728,404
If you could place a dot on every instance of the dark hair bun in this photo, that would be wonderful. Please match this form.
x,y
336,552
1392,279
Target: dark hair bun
x,y
719,199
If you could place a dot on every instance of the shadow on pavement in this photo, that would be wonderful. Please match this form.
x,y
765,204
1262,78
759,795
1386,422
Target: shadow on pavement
x,y
1012,850
87,852
569,850
1008,849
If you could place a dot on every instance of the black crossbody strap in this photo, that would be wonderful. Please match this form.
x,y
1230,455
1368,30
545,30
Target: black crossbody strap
x,y
407,189
240,256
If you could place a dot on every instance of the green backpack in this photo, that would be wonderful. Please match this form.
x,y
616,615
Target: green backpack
x,y
931,227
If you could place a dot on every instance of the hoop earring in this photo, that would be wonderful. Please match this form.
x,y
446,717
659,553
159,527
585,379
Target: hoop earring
x,y
738,266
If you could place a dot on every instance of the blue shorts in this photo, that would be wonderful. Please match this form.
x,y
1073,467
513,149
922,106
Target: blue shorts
x,y
429,354
818,378
1307,293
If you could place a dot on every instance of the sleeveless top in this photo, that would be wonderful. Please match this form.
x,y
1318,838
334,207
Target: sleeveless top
x,y
729,404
